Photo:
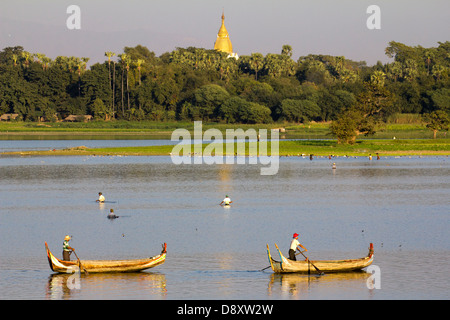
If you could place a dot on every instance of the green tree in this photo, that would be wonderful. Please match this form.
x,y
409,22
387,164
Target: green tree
x,y
125,63
378,78
428,56
373,105
111,54
208,100
256,63
27,56
299,110
395,71
99,109
441,99
257,113
410,69
345,127
438,71
438,121
229,110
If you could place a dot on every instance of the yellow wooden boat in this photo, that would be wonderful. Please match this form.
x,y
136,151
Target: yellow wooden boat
x,y
327,266
95,266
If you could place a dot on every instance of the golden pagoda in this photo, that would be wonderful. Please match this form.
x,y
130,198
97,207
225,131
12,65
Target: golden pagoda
x,y
223,42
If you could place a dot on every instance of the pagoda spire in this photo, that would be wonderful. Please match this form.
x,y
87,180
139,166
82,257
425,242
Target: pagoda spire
x,y
223,42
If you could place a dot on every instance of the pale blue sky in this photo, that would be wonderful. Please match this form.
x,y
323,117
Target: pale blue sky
x,y
335,27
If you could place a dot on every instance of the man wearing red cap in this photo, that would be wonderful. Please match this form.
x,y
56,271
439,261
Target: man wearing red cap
x,y
294,246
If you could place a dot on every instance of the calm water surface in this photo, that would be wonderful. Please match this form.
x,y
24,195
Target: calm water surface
x,y
399,204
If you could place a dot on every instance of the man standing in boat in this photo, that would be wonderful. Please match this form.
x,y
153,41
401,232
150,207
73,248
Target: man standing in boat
x,y
67,250
294,246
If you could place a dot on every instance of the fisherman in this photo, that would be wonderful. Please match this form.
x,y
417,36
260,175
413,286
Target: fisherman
x,y
111,215
294,246
227,201
67,250
101,198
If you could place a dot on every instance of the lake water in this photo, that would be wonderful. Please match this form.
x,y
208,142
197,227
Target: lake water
x,y
400,204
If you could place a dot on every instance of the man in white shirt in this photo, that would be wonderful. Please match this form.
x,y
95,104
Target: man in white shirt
x,y
294,246
226,202
101,197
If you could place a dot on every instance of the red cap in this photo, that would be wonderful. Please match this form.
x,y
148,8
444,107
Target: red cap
x,y
295,235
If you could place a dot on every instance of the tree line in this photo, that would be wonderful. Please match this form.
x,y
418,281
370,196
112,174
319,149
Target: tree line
x,y
201,84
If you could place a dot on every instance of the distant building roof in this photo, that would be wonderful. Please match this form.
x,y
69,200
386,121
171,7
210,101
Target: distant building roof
x,y
73,117
8,116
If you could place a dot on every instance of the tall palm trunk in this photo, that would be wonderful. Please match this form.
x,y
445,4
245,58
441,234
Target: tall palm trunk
x,y
123,111
114,89
128,90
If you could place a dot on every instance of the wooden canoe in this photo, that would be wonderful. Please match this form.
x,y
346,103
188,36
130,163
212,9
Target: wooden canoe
x,y
96,266
327,266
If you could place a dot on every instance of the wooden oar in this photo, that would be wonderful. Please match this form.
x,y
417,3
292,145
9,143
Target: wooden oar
x,y
79,262
317,269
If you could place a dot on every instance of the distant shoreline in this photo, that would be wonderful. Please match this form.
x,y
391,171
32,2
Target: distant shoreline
x,y
330,148
87,133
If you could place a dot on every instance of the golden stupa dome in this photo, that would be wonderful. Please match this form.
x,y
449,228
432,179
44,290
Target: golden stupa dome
x,y
223,42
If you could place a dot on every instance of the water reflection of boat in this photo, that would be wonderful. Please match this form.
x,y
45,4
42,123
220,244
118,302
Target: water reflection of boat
x,y
327,266
296,284
133,265
67,286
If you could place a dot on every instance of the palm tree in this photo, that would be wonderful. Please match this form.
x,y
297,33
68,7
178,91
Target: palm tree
x,y
395,70
42,59
437,71
139,62
125,59
111,54
45,62
128,62
410,69
27,56
81,67
114,89
428,56
256,62
14,57
378,78
286,50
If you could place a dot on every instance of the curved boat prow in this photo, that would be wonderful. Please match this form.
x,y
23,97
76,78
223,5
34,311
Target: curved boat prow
x,y
370,250
49,256
270,257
